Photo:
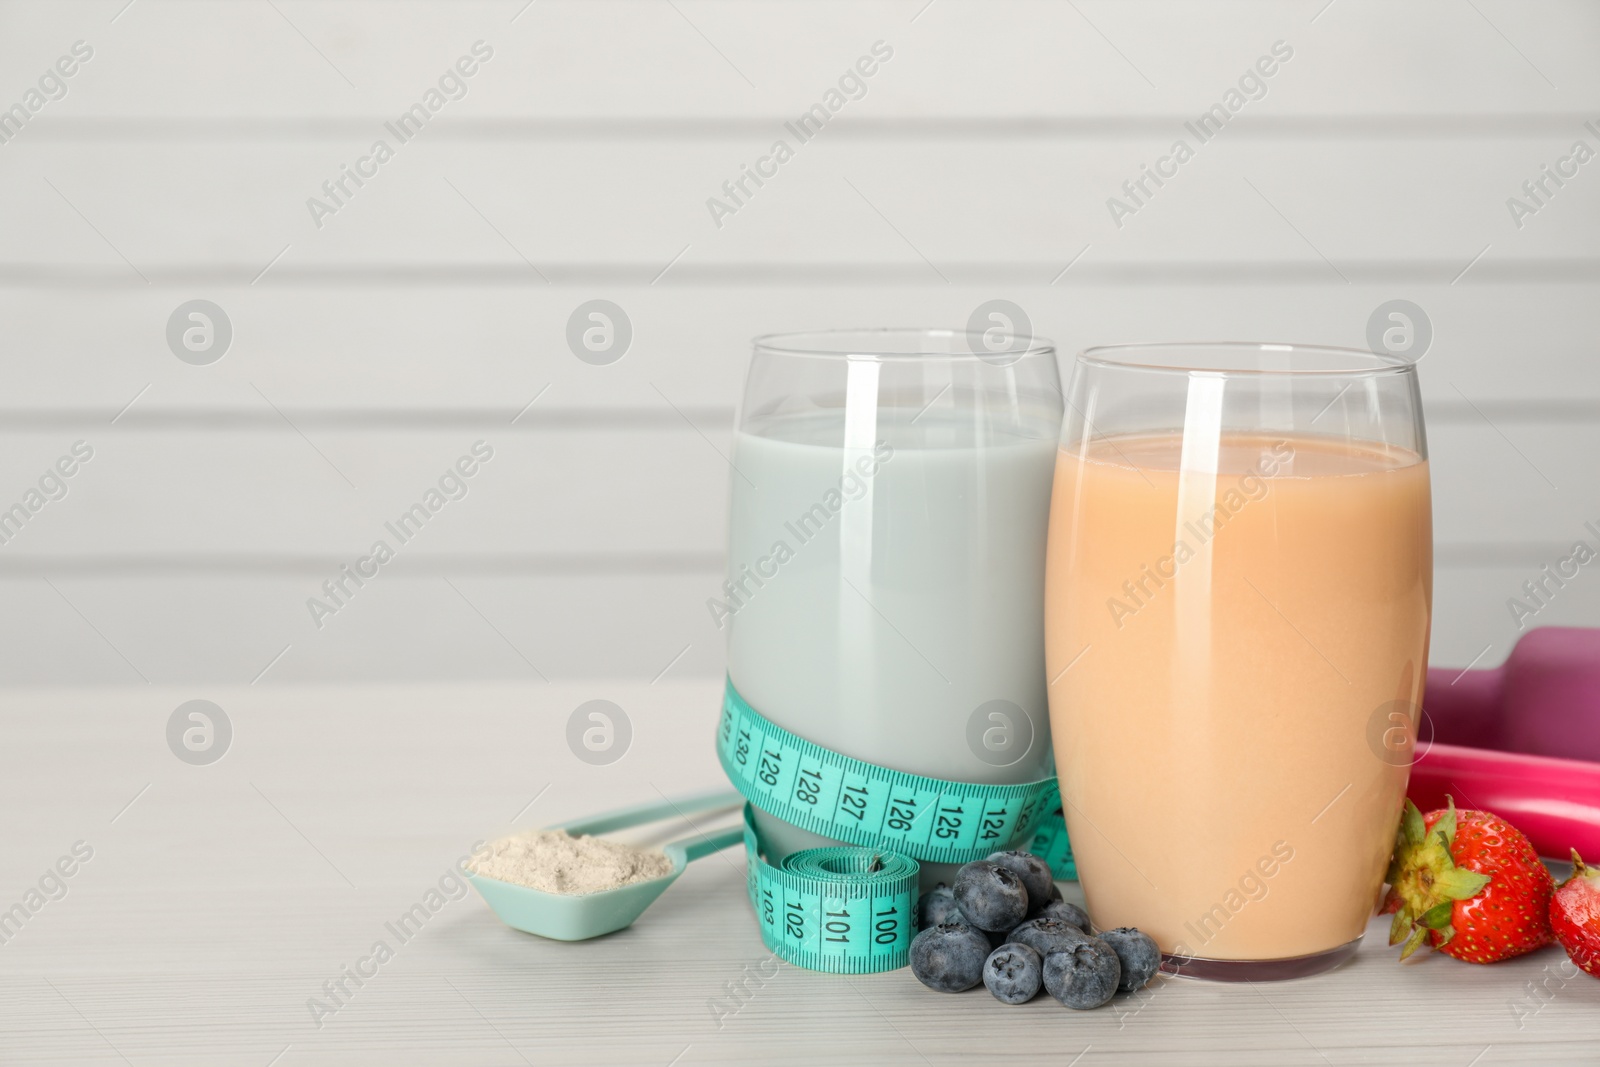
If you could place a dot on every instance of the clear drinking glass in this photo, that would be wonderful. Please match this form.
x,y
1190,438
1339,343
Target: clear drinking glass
x,y
1238,595
885,592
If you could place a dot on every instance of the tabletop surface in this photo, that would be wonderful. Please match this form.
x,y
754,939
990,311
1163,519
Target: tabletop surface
x,y
218,900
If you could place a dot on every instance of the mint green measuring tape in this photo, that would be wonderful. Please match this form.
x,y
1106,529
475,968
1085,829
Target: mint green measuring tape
x,y
851,909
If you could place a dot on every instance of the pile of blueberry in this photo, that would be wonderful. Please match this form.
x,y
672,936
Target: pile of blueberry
x,y
1005,925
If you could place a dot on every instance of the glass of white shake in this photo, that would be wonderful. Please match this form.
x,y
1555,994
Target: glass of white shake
x,y
885,592
1239,592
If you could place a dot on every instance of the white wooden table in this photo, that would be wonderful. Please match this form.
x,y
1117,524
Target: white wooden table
x,y
220,898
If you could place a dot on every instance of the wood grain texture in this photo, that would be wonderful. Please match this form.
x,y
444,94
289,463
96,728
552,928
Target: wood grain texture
x,y
222,897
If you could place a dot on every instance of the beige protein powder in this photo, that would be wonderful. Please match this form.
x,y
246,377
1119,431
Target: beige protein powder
x,y
554,861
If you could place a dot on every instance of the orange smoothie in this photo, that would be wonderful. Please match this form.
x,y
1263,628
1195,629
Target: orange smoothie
x,y
1224,629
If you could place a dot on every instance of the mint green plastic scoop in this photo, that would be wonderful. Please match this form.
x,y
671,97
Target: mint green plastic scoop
x,y
573,917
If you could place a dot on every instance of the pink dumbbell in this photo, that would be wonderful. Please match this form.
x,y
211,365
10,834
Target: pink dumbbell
x,y
1544,700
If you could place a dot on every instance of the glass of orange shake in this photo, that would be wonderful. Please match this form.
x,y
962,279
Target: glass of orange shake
x,y
1238,588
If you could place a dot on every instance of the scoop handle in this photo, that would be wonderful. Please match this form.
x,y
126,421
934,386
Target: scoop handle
x,y
706,844
652,811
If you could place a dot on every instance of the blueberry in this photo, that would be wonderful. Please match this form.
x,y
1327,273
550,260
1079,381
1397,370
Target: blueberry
x,y
1035,875
1045,935
1138,954
1068,913
1013,973
996,938
1083,976
990,896
949,957
938,905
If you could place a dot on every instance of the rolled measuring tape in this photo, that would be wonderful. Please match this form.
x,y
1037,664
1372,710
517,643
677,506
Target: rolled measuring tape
x,y
844,910
851,909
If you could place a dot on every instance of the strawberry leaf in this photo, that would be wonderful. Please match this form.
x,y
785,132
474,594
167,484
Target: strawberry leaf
x,y
1458,883
1438,916
1401,925
1412,829
1447,822
1414,942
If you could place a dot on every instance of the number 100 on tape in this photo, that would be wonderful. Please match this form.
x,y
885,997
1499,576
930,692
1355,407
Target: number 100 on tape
x,y
842,909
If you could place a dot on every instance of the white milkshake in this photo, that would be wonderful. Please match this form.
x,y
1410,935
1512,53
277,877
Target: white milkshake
x,y
882,594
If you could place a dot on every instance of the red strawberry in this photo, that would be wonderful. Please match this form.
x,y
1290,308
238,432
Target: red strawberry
x,y
1575,916
1469,883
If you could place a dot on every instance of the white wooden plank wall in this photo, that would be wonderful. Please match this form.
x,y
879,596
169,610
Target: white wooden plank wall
x,y
368,353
